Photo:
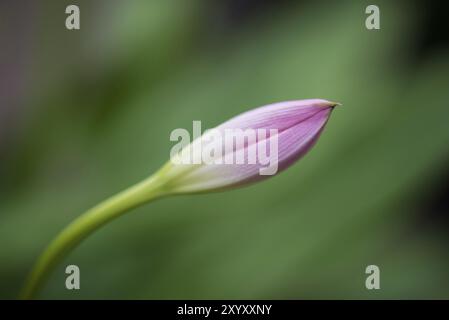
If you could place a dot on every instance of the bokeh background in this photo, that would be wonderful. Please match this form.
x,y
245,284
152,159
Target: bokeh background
x,y
85,114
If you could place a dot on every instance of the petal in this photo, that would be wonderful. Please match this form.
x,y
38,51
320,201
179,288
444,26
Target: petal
x,y
281,115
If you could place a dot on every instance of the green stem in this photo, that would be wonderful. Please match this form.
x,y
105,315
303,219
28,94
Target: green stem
x,y
84,225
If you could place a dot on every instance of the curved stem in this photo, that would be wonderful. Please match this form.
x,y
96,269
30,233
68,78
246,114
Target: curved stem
x,y
84,225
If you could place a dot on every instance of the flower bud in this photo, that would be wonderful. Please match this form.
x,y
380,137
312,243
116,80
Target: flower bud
x,y
247,148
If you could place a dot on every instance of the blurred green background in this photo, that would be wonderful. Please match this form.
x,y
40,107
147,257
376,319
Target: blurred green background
x,y
85,114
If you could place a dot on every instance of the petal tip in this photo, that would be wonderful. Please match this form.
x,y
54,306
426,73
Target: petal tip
x,y
322,103
333,104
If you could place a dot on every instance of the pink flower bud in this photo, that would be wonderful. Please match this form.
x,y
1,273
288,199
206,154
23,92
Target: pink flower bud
x,y
264,141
